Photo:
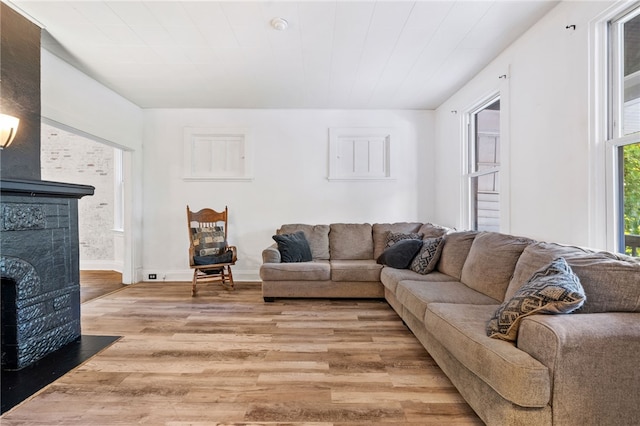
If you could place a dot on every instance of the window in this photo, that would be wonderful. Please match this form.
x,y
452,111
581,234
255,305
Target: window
x,y
118,216
483,166
624,130
216,154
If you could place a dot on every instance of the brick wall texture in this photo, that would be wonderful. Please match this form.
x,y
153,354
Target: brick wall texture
x,y
66,157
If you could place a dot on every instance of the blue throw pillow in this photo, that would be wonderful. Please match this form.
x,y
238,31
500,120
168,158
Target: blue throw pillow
x,y
293,247
400,254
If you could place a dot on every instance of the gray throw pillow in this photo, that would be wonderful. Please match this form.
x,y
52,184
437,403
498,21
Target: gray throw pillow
x,y
400,254
427,258
554,289
293,247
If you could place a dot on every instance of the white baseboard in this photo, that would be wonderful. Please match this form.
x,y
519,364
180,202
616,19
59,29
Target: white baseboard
x,y
187,275
101,265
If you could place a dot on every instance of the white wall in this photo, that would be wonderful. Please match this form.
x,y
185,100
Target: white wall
x,y
72,100
547,149
290,150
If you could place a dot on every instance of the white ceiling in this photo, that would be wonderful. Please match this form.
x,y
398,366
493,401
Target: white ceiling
x,y
335,54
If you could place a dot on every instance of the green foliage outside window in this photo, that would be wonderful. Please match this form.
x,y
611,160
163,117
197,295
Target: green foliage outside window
x,y
632,190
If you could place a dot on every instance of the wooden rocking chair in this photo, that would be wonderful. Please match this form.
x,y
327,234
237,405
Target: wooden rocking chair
x,y
209,255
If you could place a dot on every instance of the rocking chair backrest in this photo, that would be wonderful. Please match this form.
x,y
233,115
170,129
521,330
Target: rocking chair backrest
x,y
207,231
207,218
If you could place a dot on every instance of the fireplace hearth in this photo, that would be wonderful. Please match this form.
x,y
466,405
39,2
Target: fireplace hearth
x,y
39,266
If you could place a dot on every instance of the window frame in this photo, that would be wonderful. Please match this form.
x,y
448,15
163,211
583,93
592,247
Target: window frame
x,y
119,190
606,99
469,159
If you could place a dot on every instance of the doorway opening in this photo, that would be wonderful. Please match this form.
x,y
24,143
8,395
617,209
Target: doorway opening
x,y
70,155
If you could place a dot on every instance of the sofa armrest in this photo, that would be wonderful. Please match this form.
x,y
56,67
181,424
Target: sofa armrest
x,y
271,254
593,361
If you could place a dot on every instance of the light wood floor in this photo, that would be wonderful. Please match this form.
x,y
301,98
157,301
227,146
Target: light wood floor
x,y
226,357
98,283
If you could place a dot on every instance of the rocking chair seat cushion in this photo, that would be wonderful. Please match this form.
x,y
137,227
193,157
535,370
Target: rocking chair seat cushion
x,y
214,259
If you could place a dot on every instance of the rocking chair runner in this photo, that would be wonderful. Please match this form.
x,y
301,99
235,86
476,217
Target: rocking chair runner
x,y
209,255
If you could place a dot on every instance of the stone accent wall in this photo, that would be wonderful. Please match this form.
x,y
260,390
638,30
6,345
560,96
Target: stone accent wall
x,y
20,90
71,158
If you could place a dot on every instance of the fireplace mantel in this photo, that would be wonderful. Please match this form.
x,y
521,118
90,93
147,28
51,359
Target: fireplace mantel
x,y
43,188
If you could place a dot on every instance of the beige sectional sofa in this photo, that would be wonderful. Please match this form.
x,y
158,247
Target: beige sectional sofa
x,y
581,368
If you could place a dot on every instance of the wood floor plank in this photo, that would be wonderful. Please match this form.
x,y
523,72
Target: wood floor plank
x,y
226,357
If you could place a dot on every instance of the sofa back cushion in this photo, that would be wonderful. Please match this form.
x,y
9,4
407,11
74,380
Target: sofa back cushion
x,y
351,241
317,236
429,230
611,282
454,252
380,231
491,262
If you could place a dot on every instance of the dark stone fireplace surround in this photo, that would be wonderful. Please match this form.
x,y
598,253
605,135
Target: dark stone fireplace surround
x,y
39,265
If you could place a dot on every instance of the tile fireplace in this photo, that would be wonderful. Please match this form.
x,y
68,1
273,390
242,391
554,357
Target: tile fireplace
x,y
39,266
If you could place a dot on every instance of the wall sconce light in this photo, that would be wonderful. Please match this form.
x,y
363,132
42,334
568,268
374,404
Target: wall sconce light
x,y
8,129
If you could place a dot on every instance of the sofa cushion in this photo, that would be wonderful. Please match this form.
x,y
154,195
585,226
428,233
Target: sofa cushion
x,y
400,254
350,241
427,258
293,247
317,270
611,282
491,261
429,230
390,277
416,295
317,236
355,270
511,372
554,289
454,252
380,231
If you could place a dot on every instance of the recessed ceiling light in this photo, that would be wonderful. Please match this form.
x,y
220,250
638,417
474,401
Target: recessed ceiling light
x,y
279,24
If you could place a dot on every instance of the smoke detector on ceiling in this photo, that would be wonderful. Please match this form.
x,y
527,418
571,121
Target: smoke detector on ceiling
x,y
279,24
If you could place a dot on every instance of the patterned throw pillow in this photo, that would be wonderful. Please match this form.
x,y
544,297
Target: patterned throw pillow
x,y
208,241
428,256
394,237
554,289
